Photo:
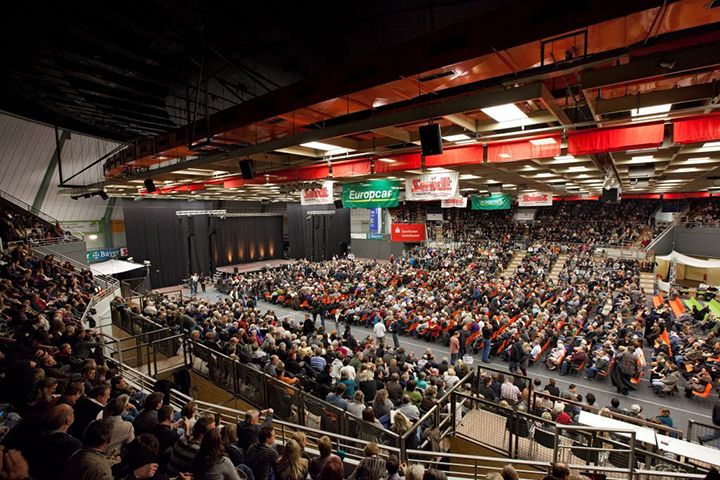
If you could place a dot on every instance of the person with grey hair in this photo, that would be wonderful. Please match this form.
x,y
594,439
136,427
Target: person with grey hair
x,y
123,431
414,472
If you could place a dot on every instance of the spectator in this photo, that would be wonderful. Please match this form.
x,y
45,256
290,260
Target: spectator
x,y
211,463
332,470
90,462
123,432
51,451
88,409
291,465
249,429
147,419
261,458
185,449
316,465
166,434
372,466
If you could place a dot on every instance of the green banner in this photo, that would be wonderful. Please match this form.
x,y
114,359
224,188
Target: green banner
x,y
496,201
372,194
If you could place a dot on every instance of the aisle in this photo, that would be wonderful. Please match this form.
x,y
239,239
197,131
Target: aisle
x,y
681,409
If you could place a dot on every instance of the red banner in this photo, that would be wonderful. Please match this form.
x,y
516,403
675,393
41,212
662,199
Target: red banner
x,y
597,140
698,129
524,148
408,232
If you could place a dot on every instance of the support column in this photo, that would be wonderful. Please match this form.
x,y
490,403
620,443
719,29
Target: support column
x,y
47,178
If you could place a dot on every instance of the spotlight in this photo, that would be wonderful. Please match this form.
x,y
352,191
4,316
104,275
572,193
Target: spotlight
x,y
74,197
103,195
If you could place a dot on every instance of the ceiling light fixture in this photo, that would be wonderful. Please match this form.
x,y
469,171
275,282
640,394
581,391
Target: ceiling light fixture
x,y
457,138
651,110
469,176
564,159
386,160
504,155
326,147
504,113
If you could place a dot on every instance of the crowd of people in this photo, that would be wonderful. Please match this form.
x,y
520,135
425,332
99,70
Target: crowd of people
x,y
705,213
20,226
589,222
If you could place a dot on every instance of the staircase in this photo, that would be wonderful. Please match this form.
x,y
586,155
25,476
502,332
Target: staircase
x,y
647,282
514,263
557,267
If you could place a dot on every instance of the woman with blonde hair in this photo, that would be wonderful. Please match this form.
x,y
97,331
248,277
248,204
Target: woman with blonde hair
x,y
357,406
291,465
401,425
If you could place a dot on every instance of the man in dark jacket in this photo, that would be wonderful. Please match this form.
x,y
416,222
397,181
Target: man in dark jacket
x,y
248,429
88,409
147,419
55,446
164,431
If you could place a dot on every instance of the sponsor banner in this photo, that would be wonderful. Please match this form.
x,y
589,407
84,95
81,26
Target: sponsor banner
x,y
375,220
535,199
374,236
496,201
434,215
318,196
372,194
82,226
408,232
435,186
358,236
105,254
456,202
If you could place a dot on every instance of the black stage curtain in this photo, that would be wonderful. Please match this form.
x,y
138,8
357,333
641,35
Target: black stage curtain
x,y
155,233
317,237
248,239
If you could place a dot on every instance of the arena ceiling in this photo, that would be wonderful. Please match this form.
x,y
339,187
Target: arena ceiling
x,y
193,89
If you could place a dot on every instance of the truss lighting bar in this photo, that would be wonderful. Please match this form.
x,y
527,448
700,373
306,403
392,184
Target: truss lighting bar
x,y
193,213
321,212
265,214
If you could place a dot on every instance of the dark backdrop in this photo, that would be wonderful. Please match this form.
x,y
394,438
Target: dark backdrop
x,y
155,233
317,237
248,239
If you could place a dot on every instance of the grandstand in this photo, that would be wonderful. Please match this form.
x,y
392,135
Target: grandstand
x,y
378,241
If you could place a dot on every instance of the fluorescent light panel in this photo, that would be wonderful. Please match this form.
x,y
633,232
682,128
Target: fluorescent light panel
x,y
651,110
457,138
505,113
543,141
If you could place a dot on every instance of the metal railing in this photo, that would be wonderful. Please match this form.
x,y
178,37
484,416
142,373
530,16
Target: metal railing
x,y
587,450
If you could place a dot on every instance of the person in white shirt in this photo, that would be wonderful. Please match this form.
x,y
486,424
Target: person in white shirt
x,y
379,329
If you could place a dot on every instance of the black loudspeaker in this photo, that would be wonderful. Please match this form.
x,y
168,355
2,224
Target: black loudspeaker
x,y
431,140
103,195
611,195
247,167
191,226
150,186
236,270
338,204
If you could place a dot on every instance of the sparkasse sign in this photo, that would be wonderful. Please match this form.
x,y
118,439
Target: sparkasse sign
x,y
408,232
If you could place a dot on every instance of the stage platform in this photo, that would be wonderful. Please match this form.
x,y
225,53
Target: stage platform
x,y
255,266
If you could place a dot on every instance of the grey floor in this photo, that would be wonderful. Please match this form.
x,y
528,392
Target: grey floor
x,y
681,409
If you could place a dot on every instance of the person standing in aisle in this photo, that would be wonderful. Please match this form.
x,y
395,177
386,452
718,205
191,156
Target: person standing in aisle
x,y
203,281
454,347
194,283
487,336
379,329
395,329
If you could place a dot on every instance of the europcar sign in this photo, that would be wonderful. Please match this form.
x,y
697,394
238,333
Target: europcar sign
x,y
372,194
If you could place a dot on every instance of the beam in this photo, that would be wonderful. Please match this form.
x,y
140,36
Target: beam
x,y
467,103
462,121
655,66
394,132
605,106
